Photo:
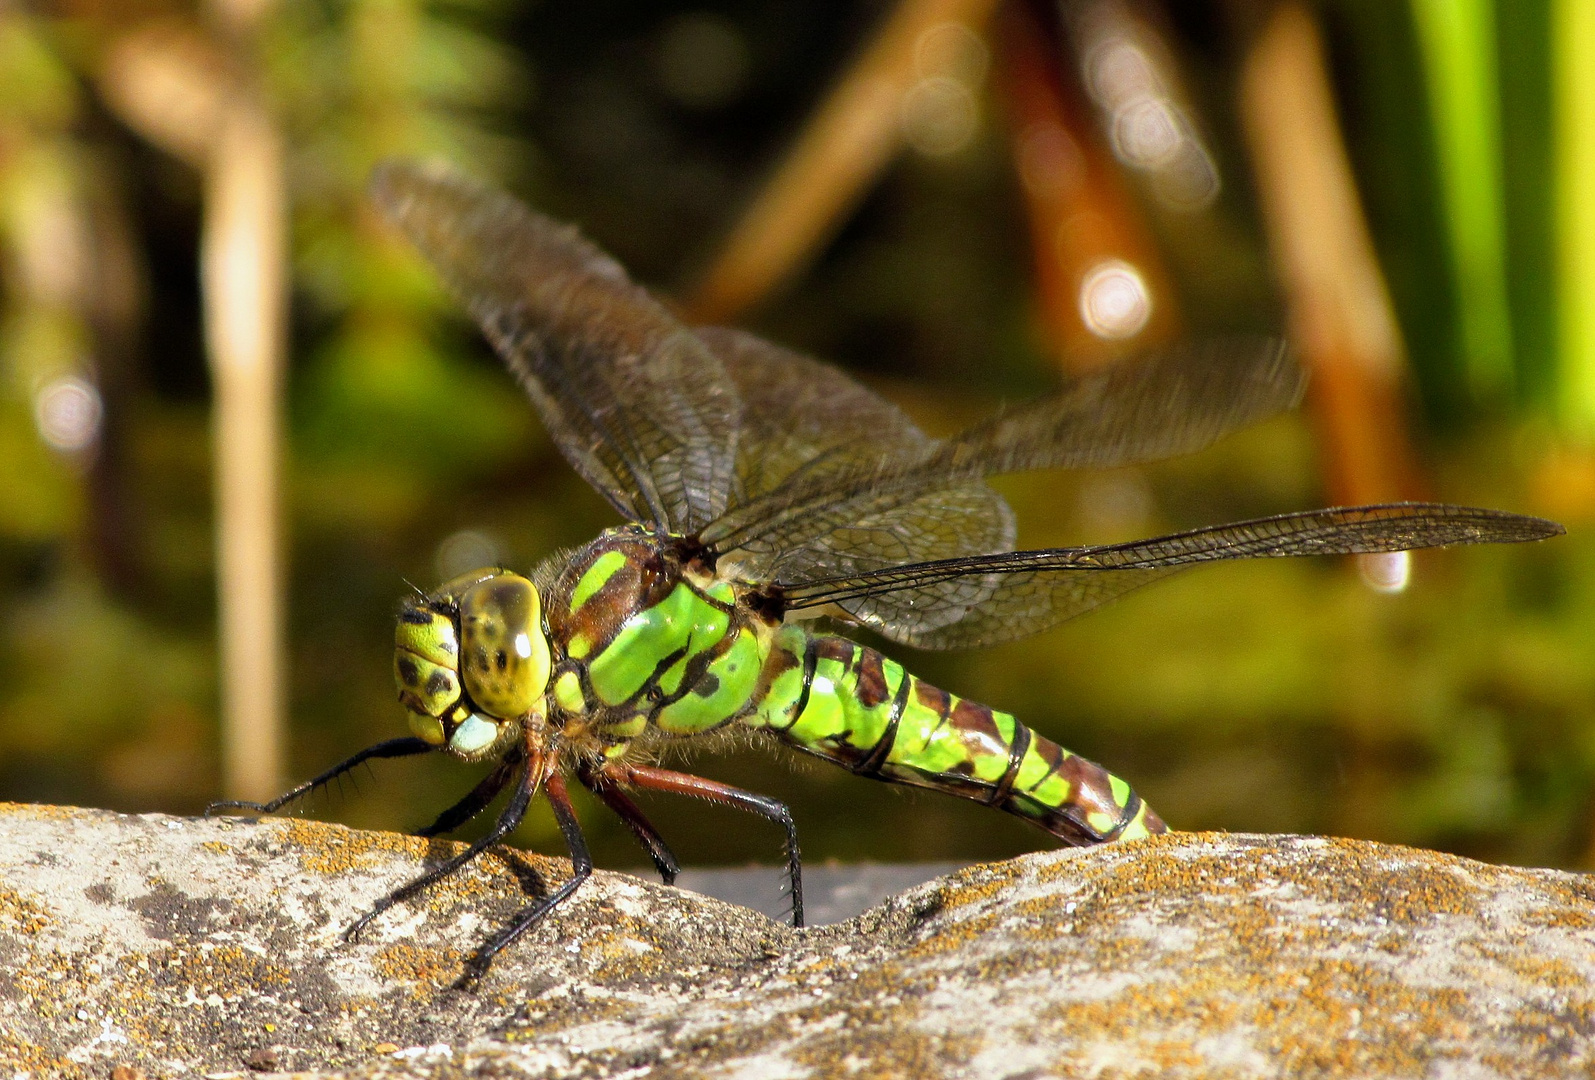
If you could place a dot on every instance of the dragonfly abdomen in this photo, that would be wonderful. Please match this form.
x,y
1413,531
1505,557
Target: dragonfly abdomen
x,y
837,699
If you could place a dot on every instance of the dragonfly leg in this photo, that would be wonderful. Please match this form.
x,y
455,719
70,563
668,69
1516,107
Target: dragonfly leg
x,y
581,868
477,799
655,779
608,790
404,747
511,817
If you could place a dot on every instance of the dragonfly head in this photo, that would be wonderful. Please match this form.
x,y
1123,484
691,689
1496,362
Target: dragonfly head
x,y
471,660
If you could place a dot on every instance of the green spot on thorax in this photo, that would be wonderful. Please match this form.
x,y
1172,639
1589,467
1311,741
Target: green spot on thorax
x,y
729,682
707,630
568,692
644,641
594,577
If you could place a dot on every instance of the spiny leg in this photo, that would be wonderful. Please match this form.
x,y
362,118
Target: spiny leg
x,y
511,817
404,747
600,784
654,779
581,868
477,798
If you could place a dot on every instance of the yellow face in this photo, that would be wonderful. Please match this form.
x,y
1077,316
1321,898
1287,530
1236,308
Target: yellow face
x,y
472,661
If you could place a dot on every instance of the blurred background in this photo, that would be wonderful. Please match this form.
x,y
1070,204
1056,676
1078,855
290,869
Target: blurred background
x,y
237,415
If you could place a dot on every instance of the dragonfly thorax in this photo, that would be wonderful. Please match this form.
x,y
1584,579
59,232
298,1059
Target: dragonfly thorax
x,y
645,633
471,661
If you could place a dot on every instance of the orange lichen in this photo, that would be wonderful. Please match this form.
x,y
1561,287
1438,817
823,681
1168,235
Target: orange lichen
x,y
425,970
26,914
877,1052
18,1058
43,811
323,848
975,884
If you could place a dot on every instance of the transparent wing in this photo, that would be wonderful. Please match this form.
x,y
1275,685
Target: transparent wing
x,y
867,502
642,409
797,411
1017,593
1170,402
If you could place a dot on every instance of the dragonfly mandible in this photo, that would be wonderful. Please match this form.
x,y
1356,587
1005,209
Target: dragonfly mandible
x,y
759,489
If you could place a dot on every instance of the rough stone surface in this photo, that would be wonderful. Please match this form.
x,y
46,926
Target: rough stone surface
x,y
177,946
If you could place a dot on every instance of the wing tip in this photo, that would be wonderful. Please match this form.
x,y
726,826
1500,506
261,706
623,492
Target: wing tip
x,y
1546,528
395,182
1489,526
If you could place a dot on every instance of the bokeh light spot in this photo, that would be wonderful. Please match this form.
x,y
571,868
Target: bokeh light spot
x,y
68,412
467,550
1387,571
1120,72
1114,301
952,50
1147,133
939,116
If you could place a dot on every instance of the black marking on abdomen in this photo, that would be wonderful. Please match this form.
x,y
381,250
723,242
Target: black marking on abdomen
x,y
871,765
1132,806
810,658
934,697
1016,757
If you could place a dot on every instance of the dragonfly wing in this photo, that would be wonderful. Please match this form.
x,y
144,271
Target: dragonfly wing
x,y
1166,403
1170,402
800,414
1022,592
857,508
642,408
796,409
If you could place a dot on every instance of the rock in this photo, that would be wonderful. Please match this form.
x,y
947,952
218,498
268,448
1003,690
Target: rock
x,y
168,946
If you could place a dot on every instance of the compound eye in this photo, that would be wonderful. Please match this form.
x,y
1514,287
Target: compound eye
x,y
503,653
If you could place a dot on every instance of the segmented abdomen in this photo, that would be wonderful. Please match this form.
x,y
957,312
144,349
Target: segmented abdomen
x,y
840,700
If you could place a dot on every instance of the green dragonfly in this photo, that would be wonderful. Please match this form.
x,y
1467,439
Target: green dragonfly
x,y
760,489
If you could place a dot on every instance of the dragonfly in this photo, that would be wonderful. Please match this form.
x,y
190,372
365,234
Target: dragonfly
x,y
761,490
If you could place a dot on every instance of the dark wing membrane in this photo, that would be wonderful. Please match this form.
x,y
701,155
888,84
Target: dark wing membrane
x,y
1170,402
1028,591
640,407
798,412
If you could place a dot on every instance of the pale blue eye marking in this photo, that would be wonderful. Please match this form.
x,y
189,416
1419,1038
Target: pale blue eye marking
x,y
473,735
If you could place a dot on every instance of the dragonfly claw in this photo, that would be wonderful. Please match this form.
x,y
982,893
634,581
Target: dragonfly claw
x,y
234,804
352,934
